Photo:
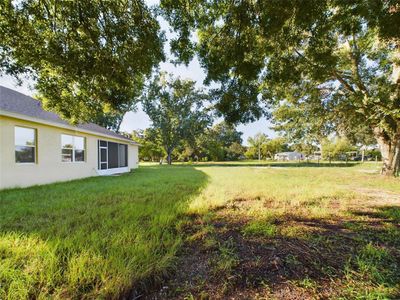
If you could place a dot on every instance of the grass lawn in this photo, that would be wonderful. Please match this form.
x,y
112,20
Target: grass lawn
x,y
244,230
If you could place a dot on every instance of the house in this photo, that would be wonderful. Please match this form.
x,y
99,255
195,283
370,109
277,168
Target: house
x,y
38,147
289,156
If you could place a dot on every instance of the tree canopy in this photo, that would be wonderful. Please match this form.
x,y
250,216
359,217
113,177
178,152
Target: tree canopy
x,y
150,144
257,142
321,66
220,142
176,109
87,57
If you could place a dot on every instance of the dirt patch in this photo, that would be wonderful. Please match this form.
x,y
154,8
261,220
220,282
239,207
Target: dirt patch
x,y
379,197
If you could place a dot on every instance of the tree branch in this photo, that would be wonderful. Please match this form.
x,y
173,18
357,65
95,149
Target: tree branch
x,y
355,59
343,81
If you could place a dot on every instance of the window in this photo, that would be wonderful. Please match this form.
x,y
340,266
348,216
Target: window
x,y
72,148
123,157
25,145
112,155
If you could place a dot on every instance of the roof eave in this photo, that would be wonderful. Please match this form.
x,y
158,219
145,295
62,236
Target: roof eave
x,y
65,126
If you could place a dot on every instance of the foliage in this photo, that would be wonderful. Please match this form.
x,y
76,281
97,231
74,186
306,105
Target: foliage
x,y
261,147
320,66
217,143
306,148
273,146
221,142
336,149
176,109
150,144
256,143
87,57
112,120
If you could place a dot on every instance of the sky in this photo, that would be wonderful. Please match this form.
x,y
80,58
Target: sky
x,y
139,119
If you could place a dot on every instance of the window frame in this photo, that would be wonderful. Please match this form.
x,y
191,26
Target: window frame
x,y
35,147
100,147
107,162
73,148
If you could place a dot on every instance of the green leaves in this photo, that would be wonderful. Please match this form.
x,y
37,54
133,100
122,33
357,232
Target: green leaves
x,y
85,56
176,110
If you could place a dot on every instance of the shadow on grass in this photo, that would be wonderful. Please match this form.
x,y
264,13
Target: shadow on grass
x,y
390,213
275,164
96,237
302,258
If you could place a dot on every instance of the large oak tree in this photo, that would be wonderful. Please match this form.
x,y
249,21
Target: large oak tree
x,y
176,110
327,65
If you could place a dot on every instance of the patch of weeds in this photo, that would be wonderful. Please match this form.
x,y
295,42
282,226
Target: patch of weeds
x,y
183,224
260,228
390,234
364,291
202,296
210,243
390,212
376,264
328,271
354,226
318,211
189,297
292,260
373,274
258,261
294,232
202,233
227,258
307,283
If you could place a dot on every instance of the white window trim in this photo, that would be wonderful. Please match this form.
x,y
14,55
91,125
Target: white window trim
x,y
119,169
100,161
73,149
32,146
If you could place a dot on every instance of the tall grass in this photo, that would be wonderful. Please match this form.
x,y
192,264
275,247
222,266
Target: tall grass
x,y
95,237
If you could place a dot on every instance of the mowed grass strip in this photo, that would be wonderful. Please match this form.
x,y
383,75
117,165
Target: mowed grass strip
x,y
96,237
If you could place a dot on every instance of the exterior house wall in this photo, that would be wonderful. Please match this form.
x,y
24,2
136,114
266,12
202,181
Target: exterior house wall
x,y
48,167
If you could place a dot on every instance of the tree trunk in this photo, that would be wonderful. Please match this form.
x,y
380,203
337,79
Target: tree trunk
x,y
391,158
169,159
390,150
259,153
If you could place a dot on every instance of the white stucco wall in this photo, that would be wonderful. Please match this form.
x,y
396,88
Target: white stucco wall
x,y
49,167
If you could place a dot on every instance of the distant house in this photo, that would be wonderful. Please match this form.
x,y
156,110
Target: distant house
x,y
287,156
38,147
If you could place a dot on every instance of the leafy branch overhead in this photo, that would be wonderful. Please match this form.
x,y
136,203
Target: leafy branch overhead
x,y
319,66
87,57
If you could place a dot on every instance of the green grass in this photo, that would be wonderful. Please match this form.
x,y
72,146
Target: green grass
x,y
260,227
96,237
103,237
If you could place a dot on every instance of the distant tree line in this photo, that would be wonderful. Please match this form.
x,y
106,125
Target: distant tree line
x,y
221,142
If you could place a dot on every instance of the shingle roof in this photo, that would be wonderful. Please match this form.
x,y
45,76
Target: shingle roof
x,y
15,102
